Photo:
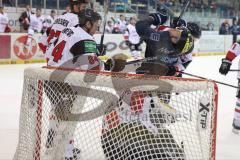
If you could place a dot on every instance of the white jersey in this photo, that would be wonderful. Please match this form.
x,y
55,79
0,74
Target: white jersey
x,y
122,25
3,22
133,37
36,23
75,49
62,22
48,22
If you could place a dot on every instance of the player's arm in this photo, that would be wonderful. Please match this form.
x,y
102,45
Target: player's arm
x,y
230,56
84,47
115,63
43,40
144,29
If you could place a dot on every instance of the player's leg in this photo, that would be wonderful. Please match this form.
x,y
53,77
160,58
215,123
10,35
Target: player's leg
x,y
28,43
138,51
61,96
236,119
111,144
139,143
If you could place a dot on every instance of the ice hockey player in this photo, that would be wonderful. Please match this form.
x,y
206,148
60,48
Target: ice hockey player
x,y
232,53
132,130
76,49
183,60
132,39
49,20
62,22
163,48
4,28
35,26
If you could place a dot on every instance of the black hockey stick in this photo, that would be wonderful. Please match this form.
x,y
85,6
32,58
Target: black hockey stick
x,y
234,70
102,47
187,3
170,12
222,83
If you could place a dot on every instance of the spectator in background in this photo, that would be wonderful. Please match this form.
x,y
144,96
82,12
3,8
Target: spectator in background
x,y
235,29
225,28
122,24
109,27
210,26
3,21
116,29
49,20
24,18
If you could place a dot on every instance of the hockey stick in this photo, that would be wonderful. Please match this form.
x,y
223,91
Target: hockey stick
x,y
229,85
104,27
171,13
184,9
234,70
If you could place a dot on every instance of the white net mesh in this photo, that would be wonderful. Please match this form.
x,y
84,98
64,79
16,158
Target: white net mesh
x,y
76,115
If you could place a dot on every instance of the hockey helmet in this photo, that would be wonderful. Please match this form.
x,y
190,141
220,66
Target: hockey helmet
x,y
194,29
76,2
186,42
88,15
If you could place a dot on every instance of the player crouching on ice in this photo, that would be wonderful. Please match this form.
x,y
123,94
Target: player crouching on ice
x,y
75,49
133,130
232,53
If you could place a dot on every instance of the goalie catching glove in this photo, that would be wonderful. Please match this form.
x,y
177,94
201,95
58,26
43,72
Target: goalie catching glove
x,y
116,63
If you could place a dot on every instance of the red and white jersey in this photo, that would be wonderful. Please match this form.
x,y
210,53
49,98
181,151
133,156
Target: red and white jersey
x,y
62,22
75,48
3,22
133,107
131,32
232,53
36,23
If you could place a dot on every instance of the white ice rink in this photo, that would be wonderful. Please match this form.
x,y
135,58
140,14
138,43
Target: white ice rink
x,y
228,144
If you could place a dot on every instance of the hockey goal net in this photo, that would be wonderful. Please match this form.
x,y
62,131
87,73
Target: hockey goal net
x,y
72,114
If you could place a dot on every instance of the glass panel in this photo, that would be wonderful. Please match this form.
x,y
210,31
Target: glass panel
x,y
37,3
23,3
51,4
63,4
9,3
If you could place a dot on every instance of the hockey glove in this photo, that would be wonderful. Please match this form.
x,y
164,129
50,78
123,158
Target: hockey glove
x,y
158,18
101,49
178,23
225,66
172,71
116,63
